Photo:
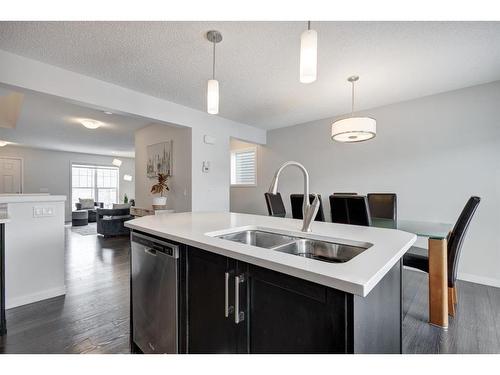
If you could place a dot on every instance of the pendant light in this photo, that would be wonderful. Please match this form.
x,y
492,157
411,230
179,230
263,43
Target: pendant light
x,y
308,55
213,85
354,129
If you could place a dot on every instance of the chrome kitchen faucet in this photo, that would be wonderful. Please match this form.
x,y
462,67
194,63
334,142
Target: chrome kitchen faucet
x,y
309,210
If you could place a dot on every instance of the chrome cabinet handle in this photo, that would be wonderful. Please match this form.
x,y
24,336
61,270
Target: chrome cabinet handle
x,y
227,309
239,316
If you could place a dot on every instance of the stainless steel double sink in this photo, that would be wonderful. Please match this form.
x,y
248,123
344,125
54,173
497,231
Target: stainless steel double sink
x,y
332,252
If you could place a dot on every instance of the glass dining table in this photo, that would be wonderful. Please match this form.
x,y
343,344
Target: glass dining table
x,y
437,234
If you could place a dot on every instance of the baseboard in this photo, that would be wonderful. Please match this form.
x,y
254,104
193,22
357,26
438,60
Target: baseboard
x,y
479,279
34,297
470,278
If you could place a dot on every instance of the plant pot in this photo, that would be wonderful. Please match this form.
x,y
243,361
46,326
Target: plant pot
x,y
159,201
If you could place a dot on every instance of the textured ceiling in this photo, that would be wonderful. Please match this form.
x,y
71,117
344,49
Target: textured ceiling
x,y
51,123
258,62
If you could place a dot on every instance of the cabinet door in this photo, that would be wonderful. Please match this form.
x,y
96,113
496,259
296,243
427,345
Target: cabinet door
x,y
209,330
290,315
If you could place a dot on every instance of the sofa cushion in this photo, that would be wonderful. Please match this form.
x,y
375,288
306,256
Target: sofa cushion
x,y
120,205
86,203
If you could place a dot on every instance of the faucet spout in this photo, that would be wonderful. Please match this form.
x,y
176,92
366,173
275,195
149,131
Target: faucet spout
x,y
309,210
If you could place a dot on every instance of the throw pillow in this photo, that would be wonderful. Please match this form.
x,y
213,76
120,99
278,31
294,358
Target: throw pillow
x,y
87,204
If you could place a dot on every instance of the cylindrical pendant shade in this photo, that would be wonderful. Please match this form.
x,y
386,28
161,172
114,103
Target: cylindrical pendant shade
x,y
308,56
213,96
354,129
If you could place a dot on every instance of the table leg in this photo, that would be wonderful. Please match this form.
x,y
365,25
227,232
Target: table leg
x,y
438,282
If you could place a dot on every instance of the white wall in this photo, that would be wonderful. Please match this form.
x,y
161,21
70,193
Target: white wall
x,y
239,201
34,251
179,196
434,152
210,191
48,171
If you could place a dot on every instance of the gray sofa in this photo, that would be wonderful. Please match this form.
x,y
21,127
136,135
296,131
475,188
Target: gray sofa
x,y
110,222
92,211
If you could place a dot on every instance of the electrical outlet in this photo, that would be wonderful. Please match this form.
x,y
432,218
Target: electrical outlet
x,y
205,167
43,211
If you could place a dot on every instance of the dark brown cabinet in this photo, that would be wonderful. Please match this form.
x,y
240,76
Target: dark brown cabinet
x,y
235,307
210,295
289,315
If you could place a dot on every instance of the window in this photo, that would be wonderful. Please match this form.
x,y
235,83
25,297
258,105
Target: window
x,y
93,181
244,167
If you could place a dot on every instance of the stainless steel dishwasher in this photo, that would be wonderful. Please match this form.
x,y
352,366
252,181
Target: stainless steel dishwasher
x,y
154,294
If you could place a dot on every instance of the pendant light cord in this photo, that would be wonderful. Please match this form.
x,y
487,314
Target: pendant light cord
x,y
213,65
308,25
352,99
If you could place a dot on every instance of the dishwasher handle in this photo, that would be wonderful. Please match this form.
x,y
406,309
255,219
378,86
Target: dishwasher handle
x,y
150,251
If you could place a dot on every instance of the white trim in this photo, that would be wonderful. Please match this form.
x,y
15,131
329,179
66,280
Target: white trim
x,y
479,279
22,169
35,297
469,277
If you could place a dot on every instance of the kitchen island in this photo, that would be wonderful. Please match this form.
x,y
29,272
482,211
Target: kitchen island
x,y
235,297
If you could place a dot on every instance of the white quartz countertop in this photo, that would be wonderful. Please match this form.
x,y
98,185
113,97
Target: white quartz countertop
x,y
357,276
23,198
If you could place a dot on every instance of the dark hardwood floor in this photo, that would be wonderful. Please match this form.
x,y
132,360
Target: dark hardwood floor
x,y
93,317
474,329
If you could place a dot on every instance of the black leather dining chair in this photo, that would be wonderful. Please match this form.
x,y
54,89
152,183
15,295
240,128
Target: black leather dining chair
x,y
350,209
297,200
345,193
383,205
275,206
418,257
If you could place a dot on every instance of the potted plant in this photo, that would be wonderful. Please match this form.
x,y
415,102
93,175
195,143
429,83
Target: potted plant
x,y
161,188
125,199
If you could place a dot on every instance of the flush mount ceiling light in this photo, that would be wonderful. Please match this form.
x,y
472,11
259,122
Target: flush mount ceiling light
x,y
127,177
213,85
91,124
308,55
117,162
354,129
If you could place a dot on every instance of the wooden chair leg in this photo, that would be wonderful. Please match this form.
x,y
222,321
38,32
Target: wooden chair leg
x,y
451,301
455,295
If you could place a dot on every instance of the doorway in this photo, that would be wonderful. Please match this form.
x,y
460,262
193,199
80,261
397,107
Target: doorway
x,y
11,176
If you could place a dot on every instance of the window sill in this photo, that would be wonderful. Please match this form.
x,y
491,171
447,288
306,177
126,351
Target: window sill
x,y
243,185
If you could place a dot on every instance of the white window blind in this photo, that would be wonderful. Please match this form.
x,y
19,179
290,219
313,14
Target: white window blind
x,y
244,167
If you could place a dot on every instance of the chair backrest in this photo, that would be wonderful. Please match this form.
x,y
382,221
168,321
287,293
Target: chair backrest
x,y
383,205
457,237
297,200
345,193
275,206
350,209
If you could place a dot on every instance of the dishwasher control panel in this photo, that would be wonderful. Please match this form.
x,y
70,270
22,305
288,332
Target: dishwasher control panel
x,y
156,245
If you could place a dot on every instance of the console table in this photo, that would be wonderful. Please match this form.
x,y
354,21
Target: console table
x,y
145,211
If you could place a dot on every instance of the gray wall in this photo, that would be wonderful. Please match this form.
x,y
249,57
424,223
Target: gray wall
x,y
48,171
179,196
434,152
